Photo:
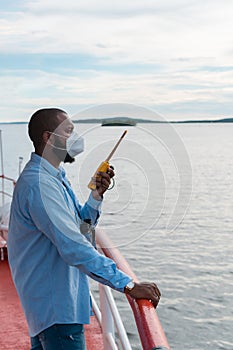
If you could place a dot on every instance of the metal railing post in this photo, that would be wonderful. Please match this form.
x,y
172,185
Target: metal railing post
x,y
107,320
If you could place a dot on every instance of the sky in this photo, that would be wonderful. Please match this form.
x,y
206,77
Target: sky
x,y
174,57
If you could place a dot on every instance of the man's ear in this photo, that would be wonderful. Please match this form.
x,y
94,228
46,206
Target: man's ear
x,y
46,137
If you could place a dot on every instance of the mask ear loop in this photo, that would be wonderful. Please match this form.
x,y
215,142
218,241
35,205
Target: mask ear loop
x,y
50,144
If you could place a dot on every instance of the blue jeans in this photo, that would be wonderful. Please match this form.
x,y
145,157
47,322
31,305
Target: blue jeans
x,y
60,337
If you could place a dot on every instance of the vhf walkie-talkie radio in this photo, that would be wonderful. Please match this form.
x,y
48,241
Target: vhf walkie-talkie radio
x,y
105,164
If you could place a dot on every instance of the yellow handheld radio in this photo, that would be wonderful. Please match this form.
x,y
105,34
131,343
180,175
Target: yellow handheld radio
x,y
105,164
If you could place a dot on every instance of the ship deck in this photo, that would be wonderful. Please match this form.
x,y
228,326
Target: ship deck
x,y
13,326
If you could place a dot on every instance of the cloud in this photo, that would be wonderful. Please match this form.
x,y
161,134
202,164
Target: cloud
x,y
103,8
32,89
153,31
87,52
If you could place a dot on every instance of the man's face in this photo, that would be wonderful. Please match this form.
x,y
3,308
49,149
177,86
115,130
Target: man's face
x,y
60,135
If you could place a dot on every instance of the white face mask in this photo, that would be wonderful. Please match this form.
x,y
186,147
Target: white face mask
x,y
74,144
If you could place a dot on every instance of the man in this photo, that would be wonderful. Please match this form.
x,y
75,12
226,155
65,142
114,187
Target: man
x,y
49,257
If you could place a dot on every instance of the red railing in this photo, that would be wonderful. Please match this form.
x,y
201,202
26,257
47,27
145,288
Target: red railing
x,y
2,189
8,178
149,327
3,177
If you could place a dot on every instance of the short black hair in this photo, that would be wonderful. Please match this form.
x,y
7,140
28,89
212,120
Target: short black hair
x,y
44,119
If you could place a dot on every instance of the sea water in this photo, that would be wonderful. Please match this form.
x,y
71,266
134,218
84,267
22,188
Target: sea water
x,y
170,215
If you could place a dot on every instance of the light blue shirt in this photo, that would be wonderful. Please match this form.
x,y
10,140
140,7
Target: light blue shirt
x,y
49,258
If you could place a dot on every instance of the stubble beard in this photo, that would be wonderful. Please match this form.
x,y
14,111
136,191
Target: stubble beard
x,y
61,152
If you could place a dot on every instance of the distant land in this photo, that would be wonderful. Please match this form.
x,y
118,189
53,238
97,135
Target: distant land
x,y
134,121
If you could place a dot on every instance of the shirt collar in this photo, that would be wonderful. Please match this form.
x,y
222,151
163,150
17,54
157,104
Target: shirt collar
x,y
59,173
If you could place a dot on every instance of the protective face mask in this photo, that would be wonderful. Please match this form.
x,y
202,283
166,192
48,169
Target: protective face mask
x,y
74,144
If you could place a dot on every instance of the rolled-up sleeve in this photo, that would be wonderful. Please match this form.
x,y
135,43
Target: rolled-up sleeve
x,y
91,210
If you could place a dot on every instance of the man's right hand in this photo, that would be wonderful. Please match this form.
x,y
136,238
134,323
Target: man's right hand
x,y
145,290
